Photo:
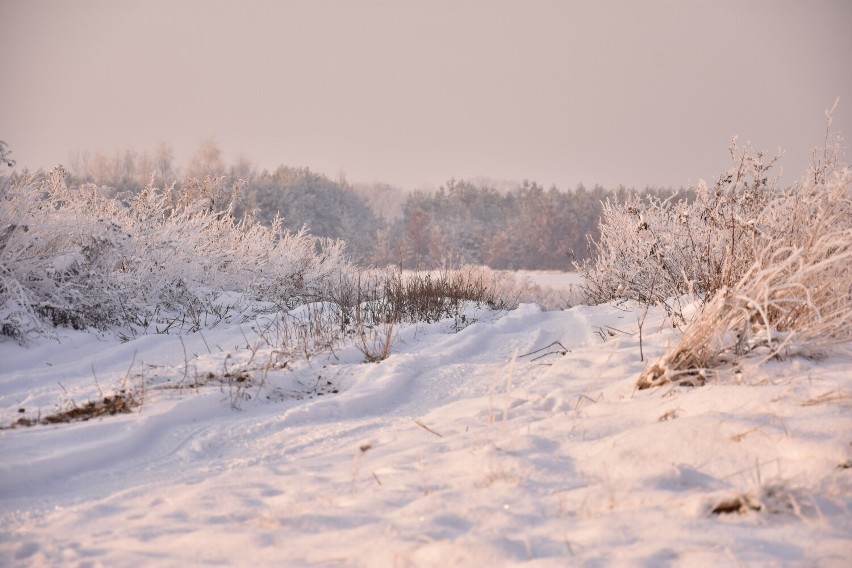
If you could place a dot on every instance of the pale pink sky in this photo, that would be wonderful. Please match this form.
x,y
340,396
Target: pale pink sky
x,y
644,92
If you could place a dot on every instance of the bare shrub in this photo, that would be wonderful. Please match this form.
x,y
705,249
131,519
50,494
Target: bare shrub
x,y
429,296
373,302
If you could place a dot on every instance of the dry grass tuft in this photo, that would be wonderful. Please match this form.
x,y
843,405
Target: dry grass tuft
x,y
119,403
772,499
740,504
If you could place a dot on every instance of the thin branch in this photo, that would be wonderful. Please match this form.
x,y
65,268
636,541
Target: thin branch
x,y
419,423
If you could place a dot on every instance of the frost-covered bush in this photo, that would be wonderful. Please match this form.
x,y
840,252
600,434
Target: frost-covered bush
x,y
157,260
6,155
794,297
652,249
771,266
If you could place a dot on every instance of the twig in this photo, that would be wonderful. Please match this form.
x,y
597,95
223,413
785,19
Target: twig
x,y
419,423
185,361
124,381
205,342
100,392
826,397
564,351
616,329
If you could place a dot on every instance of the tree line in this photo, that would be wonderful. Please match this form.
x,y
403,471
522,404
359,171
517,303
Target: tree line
x,y
463,222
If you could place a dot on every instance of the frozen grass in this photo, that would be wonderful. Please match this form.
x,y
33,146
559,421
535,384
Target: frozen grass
x,y
796,301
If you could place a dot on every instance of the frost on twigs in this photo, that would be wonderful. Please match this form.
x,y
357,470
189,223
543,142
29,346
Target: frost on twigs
x,y
795,297
651,250
6,155
158,261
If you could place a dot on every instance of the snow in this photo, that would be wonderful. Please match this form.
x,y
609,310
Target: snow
x,y
462,448
551,278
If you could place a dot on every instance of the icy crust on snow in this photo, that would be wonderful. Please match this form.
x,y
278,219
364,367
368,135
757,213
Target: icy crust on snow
x,y
465,447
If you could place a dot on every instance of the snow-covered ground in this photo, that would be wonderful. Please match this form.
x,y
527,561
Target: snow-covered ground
x,y
550,289
486,446
551,278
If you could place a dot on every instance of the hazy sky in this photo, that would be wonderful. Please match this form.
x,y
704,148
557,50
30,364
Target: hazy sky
x,y
645,92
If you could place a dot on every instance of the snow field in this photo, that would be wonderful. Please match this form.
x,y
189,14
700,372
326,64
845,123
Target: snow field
x,y
462,448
